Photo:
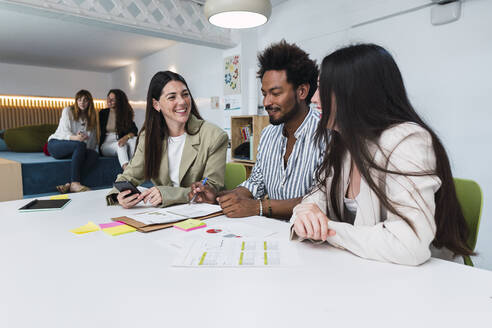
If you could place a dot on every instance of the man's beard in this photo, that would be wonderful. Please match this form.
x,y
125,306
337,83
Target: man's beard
x,y
287,116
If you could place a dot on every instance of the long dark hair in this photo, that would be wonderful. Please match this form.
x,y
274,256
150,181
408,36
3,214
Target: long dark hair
x,y
155,124
124,111
369,97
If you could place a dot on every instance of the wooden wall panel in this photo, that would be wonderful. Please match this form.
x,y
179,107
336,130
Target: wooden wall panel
x,y
17,111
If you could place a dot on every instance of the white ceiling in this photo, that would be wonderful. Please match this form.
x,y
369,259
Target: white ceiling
x,y
42,41
29,38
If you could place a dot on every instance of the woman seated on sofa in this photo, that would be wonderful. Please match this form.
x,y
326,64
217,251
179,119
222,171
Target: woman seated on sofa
x,y
76,137
385,189
175,148
118,131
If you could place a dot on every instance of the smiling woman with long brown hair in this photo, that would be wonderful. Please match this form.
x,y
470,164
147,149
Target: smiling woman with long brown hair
x,y
385,189
77,138
175,148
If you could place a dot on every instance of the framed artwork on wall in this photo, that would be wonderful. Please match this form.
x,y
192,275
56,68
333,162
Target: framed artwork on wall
x,y
232,75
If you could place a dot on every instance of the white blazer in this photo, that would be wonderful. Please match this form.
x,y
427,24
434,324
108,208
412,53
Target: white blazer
x,y
377,233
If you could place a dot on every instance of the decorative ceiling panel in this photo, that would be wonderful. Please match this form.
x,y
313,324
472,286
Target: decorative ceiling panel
x,y
180,20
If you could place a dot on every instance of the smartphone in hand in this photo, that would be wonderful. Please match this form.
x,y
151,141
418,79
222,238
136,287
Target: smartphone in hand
x,y
126,185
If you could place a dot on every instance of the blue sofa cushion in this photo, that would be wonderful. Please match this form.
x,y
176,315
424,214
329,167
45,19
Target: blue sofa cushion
x,y
41,173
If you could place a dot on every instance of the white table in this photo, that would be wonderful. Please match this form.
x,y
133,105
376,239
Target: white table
x,y
50,277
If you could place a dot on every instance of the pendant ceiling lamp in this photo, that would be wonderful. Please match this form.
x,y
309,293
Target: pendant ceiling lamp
x,y
237,13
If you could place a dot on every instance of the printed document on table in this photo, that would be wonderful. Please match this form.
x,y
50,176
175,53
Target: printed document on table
x,y
174,213
208,252
224,228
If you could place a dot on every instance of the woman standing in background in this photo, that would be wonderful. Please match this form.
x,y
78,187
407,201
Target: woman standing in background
x,y
118,130
76,137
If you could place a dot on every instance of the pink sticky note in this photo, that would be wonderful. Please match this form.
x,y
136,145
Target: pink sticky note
x,y
111,224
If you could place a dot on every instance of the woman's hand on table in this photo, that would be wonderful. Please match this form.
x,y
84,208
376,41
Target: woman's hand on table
x,y
311,222
152,196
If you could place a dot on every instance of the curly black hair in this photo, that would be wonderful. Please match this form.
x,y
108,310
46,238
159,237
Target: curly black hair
x,y
299,67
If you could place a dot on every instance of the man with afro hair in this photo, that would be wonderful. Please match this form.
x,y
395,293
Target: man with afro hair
x,y
288,154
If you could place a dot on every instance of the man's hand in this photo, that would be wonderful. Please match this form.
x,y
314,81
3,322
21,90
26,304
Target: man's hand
x,y
311,222
128,201
205,193
235,206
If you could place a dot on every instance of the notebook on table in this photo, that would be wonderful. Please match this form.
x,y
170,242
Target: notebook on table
x,y
44,205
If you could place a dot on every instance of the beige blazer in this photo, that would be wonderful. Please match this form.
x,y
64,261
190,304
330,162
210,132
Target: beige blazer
x,y
376,233
204,155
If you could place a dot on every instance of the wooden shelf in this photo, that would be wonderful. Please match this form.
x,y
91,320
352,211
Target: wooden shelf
x,y
257,124
244,162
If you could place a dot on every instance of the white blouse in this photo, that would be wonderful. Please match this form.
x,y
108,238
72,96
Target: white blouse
x,y
175,147
69,127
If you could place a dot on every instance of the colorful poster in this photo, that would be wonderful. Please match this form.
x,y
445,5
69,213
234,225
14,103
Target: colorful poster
x,y
232,75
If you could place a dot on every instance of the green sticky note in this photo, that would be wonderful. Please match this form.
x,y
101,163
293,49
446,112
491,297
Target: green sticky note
x,y
89,227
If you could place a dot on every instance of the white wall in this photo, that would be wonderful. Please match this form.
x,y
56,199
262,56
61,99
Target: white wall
x,y
54,82
200,66
446,69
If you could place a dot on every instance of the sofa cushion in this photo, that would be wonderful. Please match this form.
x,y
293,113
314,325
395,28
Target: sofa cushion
x,y
29,138
41,174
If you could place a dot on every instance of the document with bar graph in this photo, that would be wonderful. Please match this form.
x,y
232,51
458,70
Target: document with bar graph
x,y
235,253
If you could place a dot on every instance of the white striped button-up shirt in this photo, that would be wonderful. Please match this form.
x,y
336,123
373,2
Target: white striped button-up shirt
x,y
269,176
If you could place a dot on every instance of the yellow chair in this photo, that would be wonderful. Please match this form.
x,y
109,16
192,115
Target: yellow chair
x,y
470,197
235,174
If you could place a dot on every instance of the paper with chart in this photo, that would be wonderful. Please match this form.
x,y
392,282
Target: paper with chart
x,y
174,213
217,228
210,252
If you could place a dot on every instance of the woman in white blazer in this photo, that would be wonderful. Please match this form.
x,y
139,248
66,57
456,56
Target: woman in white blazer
x,y
385,189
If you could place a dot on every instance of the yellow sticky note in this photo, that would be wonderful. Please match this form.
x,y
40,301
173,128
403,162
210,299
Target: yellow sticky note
x,y
89,227
119,230
59,197
189,224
